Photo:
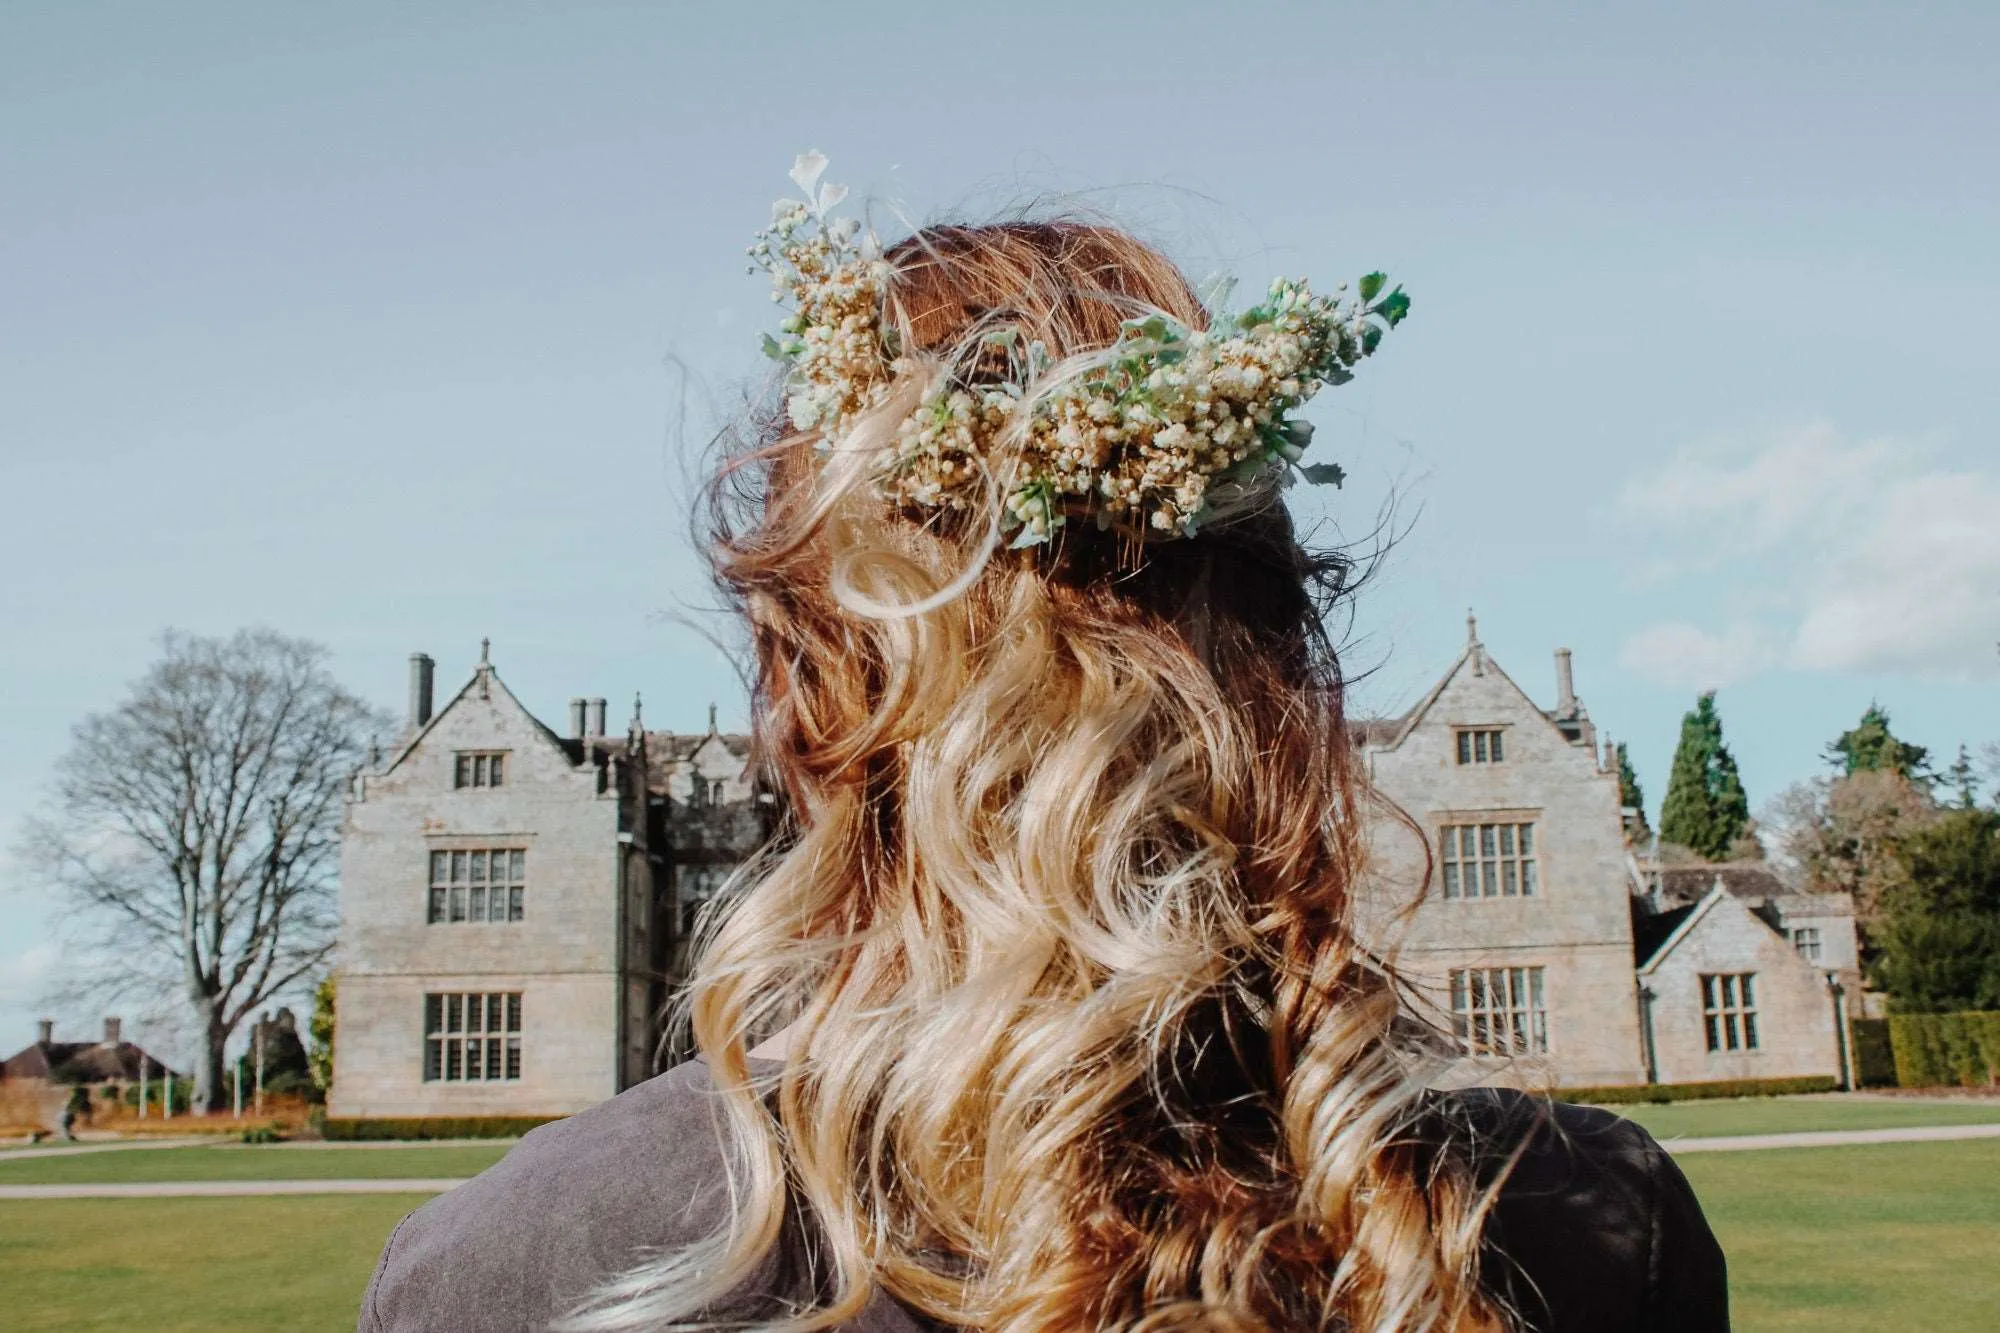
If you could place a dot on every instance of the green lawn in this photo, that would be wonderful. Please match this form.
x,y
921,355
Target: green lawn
x,y
1792,1115
1892,1236
246,1162
1889,1236
254,1265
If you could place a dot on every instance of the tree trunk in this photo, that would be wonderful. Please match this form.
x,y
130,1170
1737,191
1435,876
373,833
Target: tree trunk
x,y
211,1091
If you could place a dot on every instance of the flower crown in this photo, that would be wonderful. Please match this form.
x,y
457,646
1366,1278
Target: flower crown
x,y
1139,435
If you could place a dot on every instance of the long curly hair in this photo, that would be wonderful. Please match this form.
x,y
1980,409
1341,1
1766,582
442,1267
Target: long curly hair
x,y
1079,1032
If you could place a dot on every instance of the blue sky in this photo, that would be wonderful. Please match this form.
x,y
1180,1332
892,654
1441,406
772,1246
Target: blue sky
x,y
395,329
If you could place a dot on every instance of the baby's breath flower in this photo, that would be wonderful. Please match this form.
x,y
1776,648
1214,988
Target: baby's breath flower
x,y
1139,441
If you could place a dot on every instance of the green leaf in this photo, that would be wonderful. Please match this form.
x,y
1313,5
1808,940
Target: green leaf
x,y
1371,284
772,349
1323,474
1394,307
1371,338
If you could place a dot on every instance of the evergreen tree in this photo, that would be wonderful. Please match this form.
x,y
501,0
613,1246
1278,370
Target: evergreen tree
x,y
1963,779
1629,791
1630,794
1938,945
1872,748
1706,809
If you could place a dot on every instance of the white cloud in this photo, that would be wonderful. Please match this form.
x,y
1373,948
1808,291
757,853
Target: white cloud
x,y
1867,555
24,975
1684,656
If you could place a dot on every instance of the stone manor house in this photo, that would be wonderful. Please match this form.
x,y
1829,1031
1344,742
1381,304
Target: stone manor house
x,y
515,903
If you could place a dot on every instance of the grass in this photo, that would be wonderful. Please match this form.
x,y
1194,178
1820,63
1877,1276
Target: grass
x,y
1889,1236
298,1264
1902,1236
246,1162
1793,1115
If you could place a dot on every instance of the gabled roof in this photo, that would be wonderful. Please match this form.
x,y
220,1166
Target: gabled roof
x,y
1390,733
1752,882
491,678
81,1062
1651,931
1688,919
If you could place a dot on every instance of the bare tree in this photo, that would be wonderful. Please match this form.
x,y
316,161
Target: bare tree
x,y
198,823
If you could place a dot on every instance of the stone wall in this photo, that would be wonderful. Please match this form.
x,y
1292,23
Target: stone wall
x,y
1576,926
563,956
1794,1007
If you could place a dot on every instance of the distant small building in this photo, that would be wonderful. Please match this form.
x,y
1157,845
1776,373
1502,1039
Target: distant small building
x,y
1741,978
112,1062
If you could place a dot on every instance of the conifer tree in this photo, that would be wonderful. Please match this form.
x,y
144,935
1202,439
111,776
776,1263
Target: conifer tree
x,y
1630,794
1964,781
1872,748
1706,809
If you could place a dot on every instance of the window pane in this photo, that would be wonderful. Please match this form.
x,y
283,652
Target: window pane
x,y
458,902
440,867
514,903
436,912
1479,746
496,770
478,867
513,1057
1496,746
1506,840
514,1012
1508,885
454,1013
1750,1031
1749,998
1708,992
1450,880
1535,986
515,862
1528,878
1708,1024
1527,839
458,867
1486,847
1464,747
433,1013
454,1051
1489,882
461,775
433,1060
1458,991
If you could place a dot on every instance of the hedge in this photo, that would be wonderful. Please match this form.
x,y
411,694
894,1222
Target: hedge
x,y
1874,1054
1937,1050
1689,1092
433,1127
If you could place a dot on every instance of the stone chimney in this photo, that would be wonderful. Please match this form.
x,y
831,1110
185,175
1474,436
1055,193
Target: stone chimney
x,y
423,676
113,1033
594,720
1565,685
45,1031
576,716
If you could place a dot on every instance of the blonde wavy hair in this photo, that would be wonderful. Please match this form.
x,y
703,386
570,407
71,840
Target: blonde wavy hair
x,y
1080,1035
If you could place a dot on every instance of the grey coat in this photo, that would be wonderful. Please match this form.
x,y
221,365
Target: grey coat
x,y
1596,1230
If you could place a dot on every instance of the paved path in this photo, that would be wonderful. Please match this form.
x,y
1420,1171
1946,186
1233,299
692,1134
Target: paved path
x,y
107,1145
1831,1138
219,1189
223,1189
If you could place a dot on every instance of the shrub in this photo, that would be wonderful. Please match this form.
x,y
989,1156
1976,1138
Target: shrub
x,y
1874,1057
1939,1050
434,1127
1688,1092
